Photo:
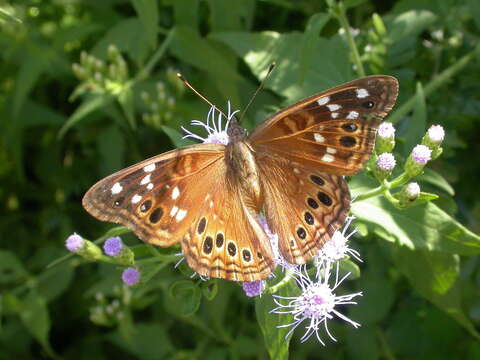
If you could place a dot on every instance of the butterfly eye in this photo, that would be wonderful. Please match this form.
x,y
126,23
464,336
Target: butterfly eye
x,y
349,127
348,141
324,198
368,104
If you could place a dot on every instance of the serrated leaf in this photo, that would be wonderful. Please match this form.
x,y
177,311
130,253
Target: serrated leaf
x,y
87,107
419,227
276,343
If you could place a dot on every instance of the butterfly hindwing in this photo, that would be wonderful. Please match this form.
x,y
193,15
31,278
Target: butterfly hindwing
x,y
303,206
333,131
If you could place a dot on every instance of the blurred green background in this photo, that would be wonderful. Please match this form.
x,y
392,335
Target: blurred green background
x,y
88,87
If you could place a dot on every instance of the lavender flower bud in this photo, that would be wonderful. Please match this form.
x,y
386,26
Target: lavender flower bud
x,y
417,160
131,276
385,164
253,288
433,139
85,248
114,247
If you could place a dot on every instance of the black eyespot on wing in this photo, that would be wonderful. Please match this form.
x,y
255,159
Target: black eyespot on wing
x,y
208,245
156,215
309,218
317,180
368,104
350,127
232,248
312,203
201,225
324,198
219,240
348,141
146,206
302,234
247,256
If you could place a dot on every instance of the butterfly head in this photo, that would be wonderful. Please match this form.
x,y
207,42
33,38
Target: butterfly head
x,y
235,132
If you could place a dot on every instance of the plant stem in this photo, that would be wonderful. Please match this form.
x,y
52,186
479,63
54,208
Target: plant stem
x,y
341,15
145,72
384,188
273,289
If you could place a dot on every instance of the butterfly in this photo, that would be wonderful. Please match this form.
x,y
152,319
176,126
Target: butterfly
x,y
291,168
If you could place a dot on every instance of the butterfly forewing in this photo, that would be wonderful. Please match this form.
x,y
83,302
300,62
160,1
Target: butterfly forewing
x,y
333,131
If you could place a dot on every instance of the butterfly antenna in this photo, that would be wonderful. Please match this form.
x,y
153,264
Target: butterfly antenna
x,y
187,84
269,71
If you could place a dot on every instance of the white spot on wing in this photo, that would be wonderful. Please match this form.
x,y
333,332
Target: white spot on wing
x,y
173,211
116,188
334,115
352,115
334,107
328,158
149,168
136,198
296,171
175,193
323,100
181,215
145,180
331,150
362,93
318,138
211,203
150,186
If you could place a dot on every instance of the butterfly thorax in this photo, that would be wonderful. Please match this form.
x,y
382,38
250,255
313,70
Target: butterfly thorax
x,y
242,170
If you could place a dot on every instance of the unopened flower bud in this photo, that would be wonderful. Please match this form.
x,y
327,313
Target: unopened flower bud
x,y
409,194
85,248
385,164
417,160
385,138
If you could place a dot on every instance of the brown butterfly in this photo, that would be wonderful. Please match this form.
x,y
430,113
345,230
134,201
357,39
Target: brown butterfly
x,y
291,168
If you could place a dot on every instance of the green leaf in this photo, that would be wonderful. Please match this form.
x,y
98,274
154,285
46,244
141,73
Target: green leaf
x,y
416,126
111,146
35,317
125,99
88,106
6,16
184,298
259,50
128,36
55,281
348,266
176,138
276,343
434,178
11,269
148,341
186,12
312,31
232,15
410,24
434,275
362,343
419,227
209,289
474,7
147,11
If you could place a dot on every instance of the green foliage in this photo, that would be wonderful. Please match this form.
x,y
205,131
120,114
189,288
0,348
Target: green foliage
x,y
89,87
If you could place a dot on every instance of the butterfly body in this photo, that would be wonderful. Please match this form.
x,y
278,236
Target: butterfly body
x,y
290,169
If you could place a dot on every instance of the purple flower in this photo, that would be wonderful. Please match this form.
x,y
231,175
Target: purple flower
x,y
421,154
253,288
217,134
74,242
386,162
277,256
131,276
436,134
386,130
315,305
113,246
337,248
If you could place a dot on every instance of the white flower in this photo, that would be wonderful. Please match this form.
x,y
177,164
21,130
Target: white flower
x,y
216,133
337,248
315,305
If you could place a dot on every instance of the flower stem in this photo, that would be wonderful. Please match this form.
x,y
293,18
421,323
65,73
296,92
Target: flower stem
x,y
384,188
145,72
340,13
273,289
